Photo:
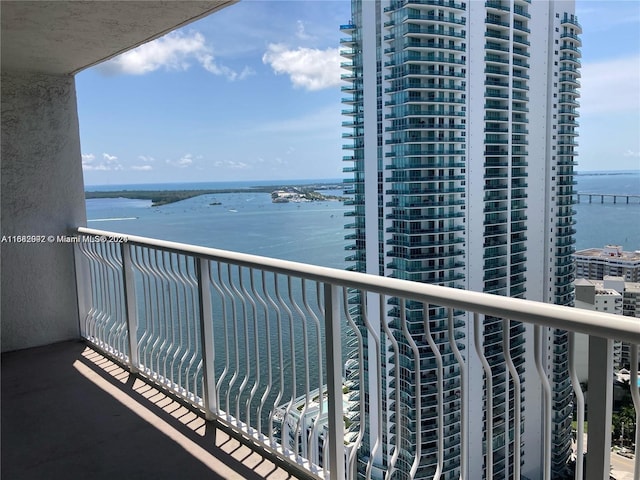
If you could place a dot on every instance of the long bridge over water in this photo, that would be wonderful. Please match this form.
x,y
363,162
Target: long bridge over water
x,y
616,197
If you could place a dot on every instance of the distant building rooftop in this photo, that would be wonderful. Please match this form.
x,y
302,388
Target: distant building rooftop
x,y
603,285
610,252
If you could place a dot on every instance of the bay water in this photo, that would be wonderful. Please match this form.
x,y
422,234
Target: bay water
x,y
313,232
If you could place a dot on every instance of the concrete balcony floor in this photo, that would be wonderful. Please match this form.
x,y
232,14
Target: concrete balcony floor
x,y
70,413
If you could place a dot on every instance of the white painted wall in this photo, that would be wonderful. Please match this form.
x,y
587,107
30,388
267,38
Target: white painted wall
x,y
42,194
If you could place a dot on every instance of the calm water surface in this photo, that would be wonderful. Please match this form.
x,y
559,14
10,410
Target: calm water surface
x,y
313,232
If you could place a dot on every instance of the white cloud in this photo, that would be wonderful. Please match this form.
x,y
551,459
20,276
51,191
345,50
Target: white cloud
x,y
308,68
175,51
110,163
185,161
631,153
610,86
91,168
142,168
210,66
231,164
88,158
301,33
102,167
146,158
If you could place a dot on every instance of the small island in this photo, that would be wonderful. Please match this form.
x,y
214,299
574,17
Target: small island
x,y
165,197
300,194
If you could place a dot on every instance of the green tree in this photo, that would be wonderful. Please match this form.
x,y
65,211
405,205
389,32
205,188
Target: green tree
x,y
623,424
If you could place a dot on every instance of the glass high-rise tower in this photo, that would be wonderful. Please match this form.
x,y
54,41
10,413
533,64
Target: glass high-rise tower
x,y
463,120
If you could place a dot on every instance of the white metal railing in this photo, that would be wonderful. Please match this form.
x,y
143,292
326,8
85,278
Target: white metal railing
x,y
264,347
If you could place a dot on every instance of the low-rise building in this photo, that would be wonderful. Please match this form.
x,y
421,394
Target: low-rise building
x,y
612,260
610,295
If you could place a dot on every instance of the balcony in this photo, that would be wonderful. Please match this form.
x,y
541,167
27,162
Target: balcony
x,y
181,362
204,339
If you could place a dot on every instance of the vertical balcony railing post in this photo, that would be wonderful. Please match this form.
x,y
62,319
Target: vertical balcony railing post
x,y
206,338
635,396
130,301
334,381
83,287
600,408
579,402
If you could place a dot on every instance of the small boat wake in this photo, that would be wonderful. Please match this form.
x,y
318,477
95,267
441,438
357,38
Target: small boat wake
x,y
114,219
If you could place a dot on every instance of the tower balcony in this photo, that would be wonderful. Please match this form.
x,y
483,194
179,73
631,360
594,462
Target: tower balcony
x,y
417,31
570,69
417,58
571,80
348,28
521,40
495,21
497,5
424,231
435,3
426,45
496,71
521,11
431,19
412,215
497,35
425,241
571,59
520,85
571,20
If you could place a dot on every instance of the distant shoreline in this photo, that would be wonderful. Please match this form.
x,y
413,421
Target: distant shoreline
x,y
165,197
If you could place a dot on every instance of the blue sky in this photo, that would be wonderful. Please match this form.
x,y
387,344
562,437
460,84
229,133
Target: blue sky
x,y
253,93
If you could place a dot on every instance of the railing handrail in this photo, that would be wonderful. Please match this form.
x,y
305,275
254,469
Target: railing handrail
x,y
588,322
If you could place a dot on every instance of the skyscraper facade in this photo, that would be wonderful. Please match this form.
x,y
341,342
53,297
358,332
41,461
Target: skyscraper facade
x,y
462,119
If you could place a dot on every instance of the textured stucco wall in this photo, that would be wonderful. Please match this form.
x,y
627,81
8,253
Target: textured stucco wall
x,y
42,194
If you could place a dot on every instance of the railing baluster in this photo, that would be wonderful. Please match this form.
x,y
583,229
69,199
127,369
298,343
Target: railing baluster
x,y
267,334
538,346
334,381
232,345
253,294
464,396
300,432
129,284
477,341
506,346
579,396
374,400
396,358
440,389
292,361
635,396
312,438
206,337
600,407
83,286
280,365
244,299
224,293
418,383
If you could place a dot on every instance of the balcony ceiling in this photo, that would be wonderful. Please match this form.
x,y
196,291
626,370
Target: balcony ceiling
x,y
64,37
